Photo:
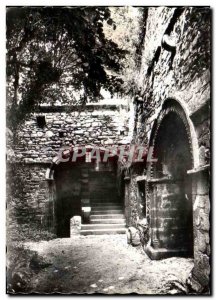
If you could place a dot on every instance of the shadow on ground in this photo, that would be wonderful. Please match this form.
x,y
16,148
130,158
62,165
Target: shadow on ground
x,y
100,264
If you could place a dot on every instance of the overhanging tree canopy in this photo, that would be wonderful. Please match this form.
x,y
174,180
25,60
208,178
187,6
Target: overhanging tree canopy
x,y
54,51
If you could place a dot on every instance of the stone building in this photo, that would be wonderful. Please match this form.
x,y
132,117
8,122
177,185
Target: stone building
x,y
42,185
171,116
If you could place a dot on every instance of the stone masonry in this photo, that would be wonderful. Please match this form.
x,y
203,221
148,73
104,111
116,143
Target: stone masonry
x,y
98,125
174,80
30,195
171,115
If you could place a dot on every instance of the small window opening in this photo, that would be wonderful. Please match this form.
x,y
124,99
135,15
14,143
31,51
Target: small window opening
x,y
41,121
61,134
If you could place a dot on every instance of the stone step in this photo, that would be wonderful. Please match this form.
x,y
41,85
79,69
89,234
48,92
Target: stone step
x,y
104,184
102,193
106,207
84,175
104,188
106,212
103,198
101,226
106,192
102,202
106,173
108,221
107,216
103,231
94,204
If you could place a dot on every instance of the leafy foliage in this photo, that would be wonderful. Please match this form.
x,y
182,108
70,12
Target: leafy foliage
x,y
53,52
129,23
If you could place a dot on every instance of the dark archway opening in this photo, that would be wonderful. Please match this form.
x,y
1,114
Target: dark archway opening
x,y
171,203
68,200
76,182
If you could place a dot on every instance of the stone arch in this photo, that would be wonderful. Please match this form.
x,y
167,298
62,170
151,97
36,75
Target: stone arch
x,y
168,187
57,162
75,186
50,170
64,192
173,104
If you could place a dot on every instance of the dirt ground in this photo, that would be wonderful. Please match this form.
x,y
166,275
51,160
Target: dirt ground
x,y
103,264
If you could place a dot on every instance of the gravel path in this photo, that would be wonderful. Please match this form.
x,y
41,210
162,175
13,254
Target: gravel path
x,y
103,264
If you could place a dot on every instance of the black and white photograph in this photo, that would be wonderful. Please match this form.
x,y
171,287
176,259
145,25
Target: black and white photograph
x,y
108,150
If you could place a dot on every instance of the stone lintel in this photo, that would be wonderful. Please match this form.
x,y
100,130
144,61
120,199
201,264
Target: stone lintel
x,y
70,108
198,170
162,180
141,178
39,163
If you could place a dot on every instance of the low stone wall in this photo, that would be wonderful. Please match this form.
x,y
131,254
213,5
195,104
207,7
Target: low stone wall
x,y
30,196
28,202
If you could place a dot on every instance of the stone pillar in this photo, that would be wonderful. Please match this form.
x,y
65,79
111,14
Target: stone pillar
x,y
170,215
154,227
85,197
199,277
51,212
75,225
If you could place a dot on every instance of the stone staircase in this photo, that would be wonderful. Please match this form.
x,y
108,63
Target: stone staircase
x,y
107,213
105,218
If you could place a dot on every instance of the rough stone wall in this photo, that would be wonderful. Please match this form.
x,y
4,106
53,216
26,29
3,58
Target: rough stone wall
x,y
202,249
28,202
187,79
134,204
96,125
180,72
35,147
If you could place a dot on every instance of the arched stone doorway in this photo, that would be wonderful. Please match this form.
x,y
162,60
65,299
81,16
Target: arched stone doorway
x,y
169,187
86,188
68,200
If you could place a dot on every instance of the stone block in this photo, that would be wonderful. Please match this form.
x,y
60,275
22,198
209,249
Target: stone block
x,y
201,270
75,225
204,221
79,132
194,284
49,133
58,122
201,242
28,160
86,125
202,201
68,120
109,142
203,183
95,124
40,133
